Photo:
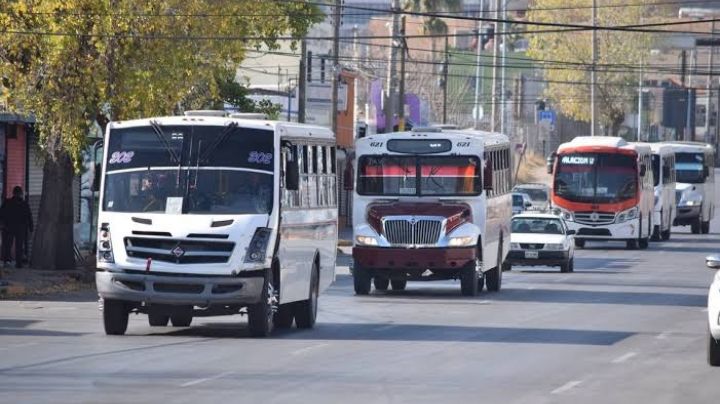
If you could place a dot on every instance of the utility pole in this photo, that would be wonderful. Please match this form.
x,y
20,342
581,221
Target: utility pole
x,y
478,67
593,78
390,106
496,51
446,67
401,97
503,108
708,105
302,81
640,94
337,17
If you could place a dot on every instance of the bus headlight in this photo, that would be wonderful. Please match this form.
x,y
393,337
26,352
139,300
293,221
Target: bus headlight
x,y
567,215
105,252
258,245
629,214
366,240
461,241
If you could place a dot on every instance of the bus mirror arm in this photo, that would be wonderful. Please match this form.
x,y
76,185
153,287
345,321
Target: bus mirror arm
x,y
348,176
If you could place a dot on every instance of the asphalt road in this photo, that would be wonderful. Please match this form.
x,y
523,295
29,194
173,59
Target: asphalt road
x,y
626,327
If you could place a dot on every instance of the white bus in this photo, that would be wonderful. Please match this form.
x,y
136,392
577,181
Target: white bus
x,y
603,187
431,205
695,185
216,215
663,167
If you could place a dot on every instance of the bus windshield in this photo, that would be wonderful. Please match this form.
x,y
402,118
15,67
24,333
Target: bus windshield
x,y
419,176
689,167
189,169
596,177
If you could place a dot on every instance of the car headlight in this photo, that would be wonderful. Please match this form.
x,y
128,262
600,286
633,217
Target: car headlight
x,y
692,203
461,241
629,214
366,240
553,246
567,215
515,246
258,245
104,249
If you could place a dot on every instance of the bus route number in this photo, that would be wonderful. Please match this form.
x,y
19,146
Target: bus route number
x,y
376,144
463,144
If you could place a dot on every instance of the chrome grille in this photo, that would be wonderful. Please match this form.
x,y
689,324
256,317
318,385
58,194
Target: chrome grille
x,y
412,232
595,217
530,246
179,251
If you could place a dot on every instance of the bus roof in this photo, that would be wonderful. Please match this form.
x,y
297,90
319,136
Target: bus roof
x,y
489,138
690,147
659,148
587,143
279,127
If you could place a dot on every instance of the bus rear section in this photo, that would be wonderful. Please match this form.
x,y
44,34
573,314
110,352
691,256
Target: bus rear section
x,y
431,206
665,206
603,188
695,185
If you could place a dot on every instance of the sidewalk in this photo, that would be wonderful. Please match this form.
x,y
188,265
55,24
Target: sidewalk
x,y
24,282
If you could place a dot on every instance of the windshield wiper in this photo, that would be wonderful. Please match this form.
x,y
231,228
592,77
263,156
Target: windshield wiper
x,y
174,157
230,128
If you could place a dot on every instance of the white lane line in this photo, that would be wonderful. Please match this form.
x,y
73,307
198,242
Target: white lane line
x,y
308,349
206,379
567,386
624,358
663,335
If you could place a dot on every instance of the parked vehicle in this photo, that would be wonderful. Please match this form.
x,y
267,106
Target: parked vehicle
x,y
663,167
429,205
539,195
541,239
695,186
713,349
520,203
209,215
603,188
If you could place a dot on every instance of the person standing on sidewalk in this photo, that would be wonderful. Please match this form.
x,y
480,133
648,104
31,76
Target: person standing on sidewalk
x,y
17,221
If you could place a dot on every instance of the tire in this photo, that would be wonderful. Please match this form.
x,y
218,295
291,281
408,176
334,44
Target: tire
x,y
158,320
565,267
643,243
362,281
181,320
469,280
713,351
695,226
493,279
655,233
579,243
705,227
665,236
398,284
381,283
572,264
306,310
284,316
260,314
481,282
506,266
631,244
115,317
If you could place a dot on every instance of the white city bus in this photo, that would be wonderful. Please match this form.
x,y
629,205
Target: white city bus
x,y
695,185
215,215
429,205
603,187
663,167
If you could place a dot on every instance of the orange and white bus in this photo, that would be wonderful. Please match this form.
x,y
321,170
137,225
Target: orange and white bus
x,y
603,188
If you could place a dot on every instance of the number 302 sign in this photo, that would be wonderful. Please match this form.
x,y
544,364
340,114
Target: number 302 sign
x,y
121,157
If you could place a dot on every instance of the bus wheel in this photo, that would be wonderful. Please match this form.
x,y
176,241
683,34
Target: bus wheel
x,y
398,284
469,279
115,317
713,351
284,316
507,266
631,244
579,243
643,243
665,236
655,233
381,283
261,314
158,320
306,310
493,279
705,228
181,320
361,280
695,226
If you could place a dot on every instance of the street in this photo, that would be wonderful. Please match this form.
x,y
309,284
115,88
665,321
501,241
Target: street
x,y
626,326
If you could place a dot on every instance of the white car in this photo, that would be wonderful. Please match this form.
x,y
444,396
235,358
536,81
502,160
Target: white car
x,y
713,350
539,195
541,239
520,203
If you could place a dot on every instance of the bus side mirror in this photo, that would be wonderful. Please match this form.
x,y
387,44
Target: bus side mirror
x,y
643,169
292,173
96,177
488,177
550,162
348,176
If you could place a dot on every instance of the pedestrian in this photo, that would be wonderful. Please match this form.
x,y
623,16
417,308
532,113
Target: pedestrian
x,y
17,222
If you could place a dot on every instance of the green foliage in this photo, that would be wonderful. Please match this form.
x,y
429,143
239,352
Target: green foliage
x,y
432,24
71,62
569,55
268,108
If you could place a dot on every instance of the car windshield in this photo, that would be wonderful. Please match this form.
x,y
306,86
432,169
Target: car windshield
x,y
689,168
536,194
419,176
596,177
536,225
189,169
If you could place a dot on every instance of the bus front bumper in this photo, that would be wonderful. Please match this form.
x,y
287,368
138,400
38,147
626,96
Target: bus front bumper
x,y
413,258
180,290
629,230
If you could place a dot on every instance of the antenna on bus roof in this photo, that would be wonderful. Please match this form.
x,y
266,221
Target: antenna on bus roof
x,y
249,115
206,112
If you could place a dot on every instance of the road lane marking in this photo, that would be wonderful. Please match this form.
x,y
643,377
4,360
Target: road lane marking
x,y
567,386
308,349
624,358
663,335
206,379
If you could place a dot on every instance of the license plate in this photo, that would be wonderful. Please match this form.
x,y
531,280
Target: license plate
x,y
531,254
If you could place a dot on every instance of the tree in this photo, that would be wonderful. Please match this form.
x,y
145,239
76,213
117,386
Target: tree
x,y
569,56
74,62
